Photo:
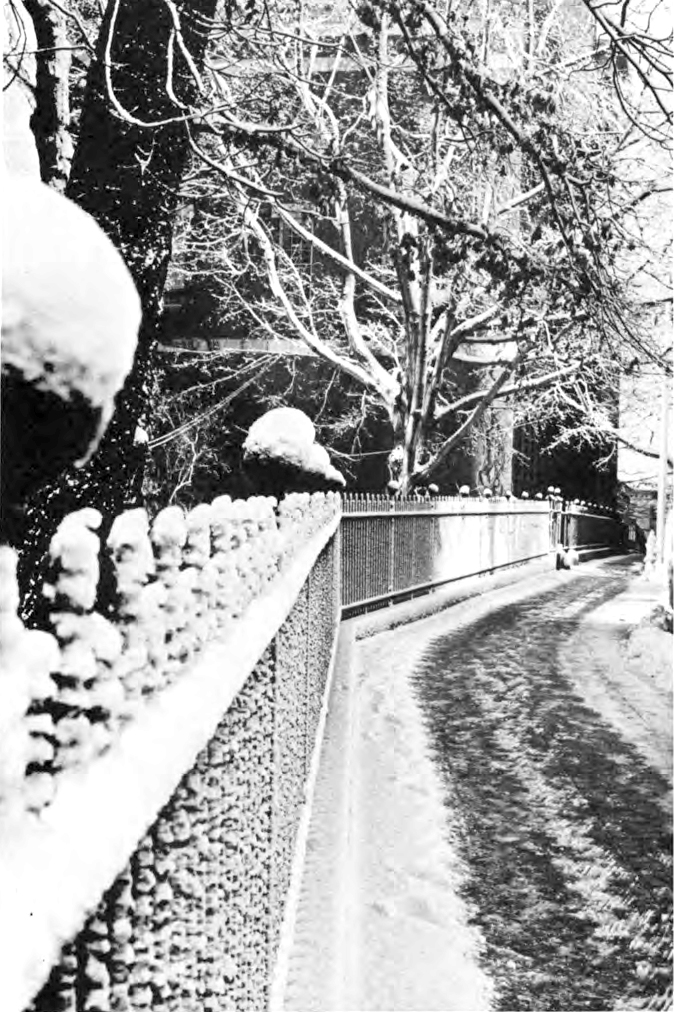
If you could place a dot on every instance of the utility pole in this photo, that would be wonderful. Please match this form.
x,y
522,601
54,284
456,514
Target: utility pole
x,y
663,472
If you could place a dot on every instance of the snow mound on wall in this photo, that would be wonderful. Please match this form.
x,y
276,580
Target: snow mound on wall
x,y
70,308
287,436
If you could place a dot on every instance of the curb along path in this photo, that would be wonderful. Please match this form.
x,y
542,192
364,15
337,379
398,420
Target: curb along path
x,y
502,843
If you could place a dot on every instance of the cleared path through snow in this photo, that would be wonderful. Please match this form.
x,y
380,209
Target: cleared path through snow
x,y
467,851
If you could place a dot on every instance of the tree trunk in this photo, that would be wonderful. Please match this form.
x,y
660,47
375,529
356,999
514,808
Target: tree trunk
x,y
50,122
411,438
126,173
406,483
127,176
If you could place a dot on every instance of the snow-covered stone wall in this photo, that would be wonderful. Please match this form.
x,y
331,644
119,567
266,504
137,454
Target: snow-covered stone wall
x,y
155,746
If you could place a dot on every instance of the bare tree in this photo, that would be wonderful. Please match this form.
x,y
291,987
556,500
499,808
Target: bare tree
x,y
635,41
496,246
490,178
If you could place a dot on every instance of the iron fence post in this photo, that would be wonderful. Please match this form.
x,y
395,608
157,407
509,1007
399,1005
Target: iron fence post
x,y
391,551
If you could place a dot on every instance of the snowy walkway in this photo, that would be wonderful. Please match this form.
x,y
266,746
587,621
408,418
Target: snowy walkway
x,y
481,836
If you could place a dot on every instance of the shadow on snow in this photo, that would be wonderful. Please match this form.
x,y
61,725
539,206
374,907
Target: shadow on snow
x,y
567,850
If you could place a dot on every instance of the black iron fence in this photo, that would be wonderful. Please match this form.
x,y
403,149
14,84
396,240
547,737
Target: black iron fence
x,y
399,548
587,528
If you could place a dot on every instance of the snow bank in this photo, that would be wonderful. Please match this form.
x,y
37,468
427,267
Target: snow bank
x,y
621,666
380,924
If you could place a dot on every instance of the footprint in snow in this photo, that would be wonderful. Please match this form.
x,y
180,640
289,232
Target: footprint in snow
x,y
420,907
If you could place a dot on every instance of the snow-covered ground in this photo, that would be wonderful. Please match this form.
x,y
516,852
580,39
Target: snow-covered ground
x,y
621,665
381,922
386,874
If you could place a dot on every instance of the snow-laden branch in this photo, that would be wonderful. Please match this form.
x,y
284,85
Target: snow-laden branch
x,y
347,305
639,54
258,189
480,86
280,140
347,262
603,427
520,387
379,383
475,323
481,361
523,198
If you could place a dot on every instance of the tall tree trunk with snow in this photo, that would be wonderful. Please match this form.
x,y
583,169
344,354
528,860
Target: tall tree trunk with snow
x,y
51,120
126,171
129,162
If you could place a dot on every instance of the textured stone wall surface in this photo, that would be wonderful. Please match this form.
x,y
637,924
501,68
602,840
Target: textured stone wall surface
x,y
185,927
192,922
124,620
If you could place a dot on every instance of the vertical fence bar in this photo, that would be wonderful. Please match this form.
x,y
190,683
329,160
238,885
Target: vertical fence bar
x,y
391,554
